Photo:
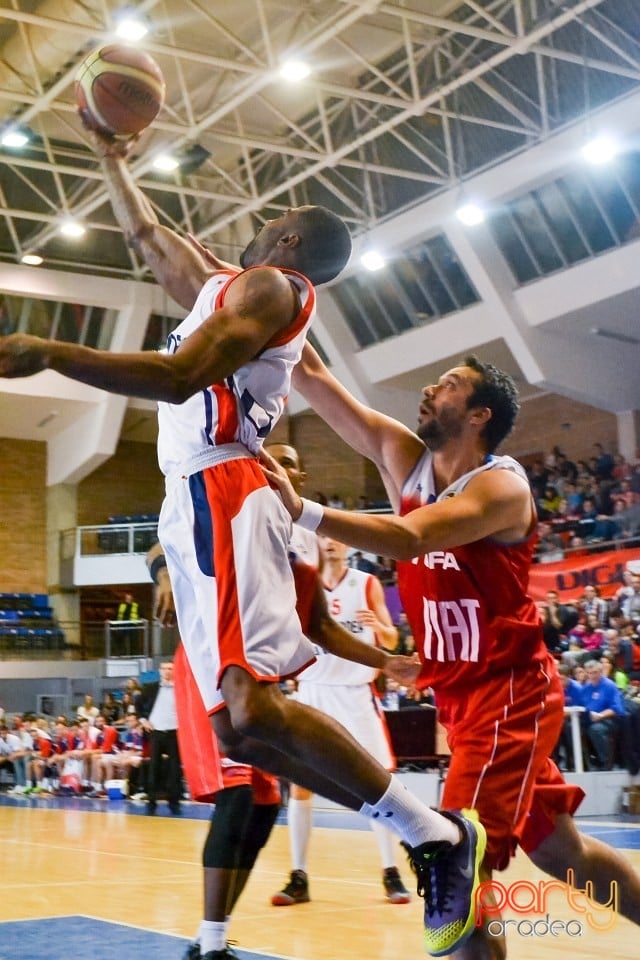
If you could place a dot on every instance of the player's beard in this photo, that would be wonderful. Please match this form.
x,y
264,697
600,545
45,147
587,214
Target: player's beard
x,y
446,425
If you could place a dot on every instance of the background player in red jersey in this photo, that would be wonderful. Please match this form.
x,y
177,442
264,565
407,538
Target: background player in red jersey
x,y
465,537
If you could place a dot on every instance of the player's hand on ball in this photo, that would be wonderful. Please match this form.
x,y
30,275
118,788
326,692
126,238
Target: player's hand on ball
x,y
106,145
22,355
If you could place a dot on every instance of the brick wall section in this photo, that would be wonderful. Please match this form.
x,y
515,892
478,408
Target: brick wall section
x,y
331,465
549,421
23,516
128,483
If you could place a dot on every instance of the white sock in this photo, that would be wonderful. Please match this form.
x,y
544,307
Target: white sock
x,y
387,841
407,816
300,819
212,935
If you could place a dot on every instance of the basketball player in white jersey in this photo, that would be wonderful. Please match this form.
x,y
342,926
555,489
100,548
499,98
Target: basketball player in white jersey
x,y
345,691
222,385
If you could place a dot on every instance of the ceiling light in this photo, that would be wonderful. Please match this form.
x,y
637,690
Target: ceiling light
x,y
295,70
31,259
166,163
601,149
471,214
372,260
131,28
71,228
14,138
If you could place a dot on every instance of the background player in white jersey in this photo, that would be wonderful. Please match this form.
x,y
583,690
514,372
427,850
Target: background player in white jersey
x,y
345,691
222,385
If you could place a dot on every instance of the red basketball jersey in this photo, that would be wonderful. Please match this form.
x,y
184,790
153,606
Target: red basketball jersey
x,y
468,607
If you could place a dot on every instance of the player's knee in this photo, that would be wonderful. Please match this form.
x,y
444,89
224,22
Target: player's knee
x,y
227,832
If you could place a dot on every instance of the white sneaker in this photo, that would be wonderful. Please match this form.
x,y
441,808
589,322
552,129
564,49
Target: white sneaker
x,y
139,796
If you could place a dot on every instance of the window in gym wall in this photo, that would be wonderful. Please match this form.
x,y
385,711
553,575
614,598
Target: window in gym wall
x,y
420,285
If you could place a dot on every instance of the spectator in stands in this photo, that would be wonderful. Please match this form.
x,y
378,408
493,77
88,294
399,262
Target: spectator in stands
x,y
554,640
13,757
620,650
587,635
111,710
604,462
602,701
563,753
579,674
105,750
128,612
87,710
592,602
406,642
132,755
133,688
630,604
161,722
550,545
336,501
574,498
562,615
538,479
610,671
39,769
549,503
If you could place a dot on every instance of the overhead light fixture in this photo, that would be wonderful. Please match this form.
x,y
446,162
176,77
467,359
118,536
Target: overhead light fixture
x,y
31,259
73,229
14,138
131,27
165,162
600,150
470,214
372,260
294,70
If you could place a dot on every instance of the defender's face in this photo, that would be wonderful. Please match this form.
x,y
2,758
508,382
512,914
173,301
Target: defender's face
x,y
288,458
443,411
331,549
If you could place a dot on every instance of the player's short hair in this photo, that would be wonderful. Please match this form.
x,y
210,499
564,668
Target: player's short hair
x,y
326,244
497,391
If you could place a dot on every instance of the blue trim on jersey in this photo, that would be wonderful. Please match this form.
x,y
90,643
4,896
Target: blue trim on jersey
x,y
202,524
208,417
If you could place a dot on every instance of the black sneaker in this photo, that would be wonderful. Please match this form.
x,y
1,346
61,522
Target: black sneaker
x,y
226,954
296,891
192,952
394,888
448,876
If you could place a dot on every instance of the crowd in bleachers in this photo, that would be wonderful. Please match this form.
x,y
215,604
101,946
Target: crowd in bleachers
x,y
597,644
80,754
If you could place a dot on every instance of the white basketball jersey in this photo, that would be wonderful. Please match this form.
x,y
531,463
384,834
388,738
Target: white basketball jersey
x,y
244,408
343,601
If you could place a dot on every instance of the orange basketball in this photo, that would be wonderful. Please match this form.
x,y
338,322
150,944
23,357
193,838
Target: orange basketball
x,y
119,90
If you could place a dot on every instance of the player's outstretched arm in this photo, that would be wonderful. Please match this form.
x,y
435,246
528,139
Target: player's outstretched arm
x,y
388,443
496,503
334,638
177,265
259,304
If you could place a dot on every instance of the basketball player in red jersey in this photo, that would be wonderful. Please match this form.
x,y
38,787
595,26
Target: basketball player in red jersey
x,y
465,536
222,385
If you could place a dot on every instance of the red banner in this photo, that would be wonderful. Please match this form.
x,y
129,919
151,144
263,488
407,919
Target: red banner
x,y
569,577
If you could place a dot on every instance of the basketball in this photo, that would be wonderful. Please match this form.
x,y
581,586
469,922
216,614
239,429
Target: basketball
x,y
119,90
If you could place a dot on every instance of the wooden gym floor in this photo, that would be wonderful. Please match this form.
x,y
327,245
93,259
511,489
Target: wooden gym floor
x,y
101,879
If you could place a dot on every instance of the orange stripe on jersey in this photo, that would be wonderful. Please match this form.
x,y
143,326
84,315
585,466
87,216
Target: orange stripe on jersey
x,y
234,489
286,335
197,741
227,414
292,329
